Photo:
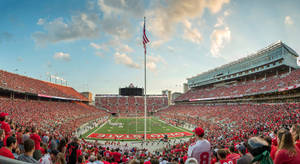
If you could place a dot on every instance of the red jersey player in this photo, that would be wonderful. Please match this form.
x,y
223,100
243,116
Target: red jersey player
x,y
200,149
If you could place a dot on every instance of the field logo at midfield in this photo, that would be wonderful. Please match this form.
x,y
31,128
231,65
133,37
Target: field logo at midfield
x,y
138,136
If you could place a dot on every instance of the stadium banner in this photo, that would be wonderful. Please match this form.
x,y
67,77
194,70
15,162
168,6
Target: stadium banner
x,y
289,88
56,97
138,136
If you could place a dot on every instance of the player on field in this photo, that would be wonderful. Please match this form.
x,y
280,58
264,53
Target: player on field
x,y
200,149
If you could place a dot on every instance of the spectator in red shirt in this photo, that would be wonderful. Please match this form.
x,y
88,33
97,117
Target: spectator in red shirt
x,y
4,125
287,151
107,153
124,159
11,144
232,155
116,155
222,153
295,130
2,136
36,138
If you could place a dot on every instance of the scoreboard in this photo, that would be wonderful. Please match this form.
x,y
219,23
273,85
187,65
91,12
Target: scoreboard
x,y
131,91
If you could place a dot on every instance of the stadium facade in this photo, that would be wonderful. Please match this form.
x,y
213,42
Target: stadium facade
x,y
277,56
269,75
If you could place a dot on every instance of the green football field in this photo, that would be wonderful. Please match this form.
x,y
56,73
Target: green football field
x,y
135,126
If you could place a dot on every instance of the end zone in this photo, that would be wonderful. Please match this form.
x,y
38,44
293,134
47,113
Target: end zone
x,y
138,136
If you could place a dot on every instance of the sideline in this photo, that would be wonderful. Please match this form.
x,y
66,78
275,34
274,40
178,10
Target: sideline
x,y
180,128
97,129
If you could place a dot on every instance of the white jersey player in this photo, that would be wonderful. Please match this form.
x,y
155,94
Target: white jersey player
x,y
200,149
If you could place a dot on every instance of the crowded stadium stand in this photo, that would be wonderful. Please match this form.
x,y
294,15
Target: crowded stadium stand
x,y
227,124
272,69
51,107
22,84
129,102
127,105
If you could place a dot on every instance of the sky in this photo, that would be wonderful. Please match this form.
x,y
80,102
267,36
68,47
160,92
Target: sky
x,y
96,45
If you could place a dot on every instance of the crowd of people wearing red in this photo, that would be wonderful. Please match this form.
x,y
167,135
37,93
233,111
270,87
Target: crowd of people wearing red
x,y
271,82
226,139
128,105
26,84
57,118
231,124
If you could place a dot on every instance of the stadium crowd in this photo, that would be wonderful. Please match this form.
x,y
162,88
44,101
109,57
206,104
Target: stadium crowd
x,y
233,134
127,105
49,116
227,124
38,131
26,84
269,83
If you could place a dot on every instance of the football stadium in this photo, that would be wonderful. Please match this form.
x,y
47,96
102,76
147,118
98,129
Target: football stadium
x,y
242,111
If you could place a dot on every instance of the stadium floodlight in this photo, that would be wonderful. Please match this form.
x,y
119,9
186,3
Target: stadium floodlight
x,y
57,78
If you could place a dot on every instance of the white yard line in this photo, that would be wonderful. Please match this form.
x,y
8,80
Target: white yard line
x,y
172,125
97,129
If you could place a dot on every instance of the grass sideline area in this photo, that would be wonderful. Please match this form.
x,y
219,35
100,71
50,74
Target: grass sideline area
x,y
134,126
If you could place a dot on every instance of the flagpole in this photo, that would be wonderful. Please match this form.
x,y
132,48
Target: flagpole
x,y
145,92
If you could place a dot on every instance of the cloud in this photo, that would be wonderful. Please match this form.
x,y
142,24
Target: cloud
x,y
191,34
157,43
227,13
288,20
117,27
216,5
99,54
125,48
82,26
62,56
164,18
5,37
219,38
115,43
125,60
152,62
41,21
117,7
116,14
220,22
221,19
171,49
96,46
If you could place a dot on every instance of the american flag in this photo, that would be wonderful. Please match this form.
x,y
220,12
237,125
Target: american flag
x,y
145,39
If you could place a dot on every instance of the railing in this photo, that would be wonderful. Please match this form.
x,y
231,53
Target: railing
x,y
5,160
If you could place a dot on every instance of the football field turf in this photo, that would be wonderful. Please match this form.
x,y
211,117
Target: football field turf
x,y
133,128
